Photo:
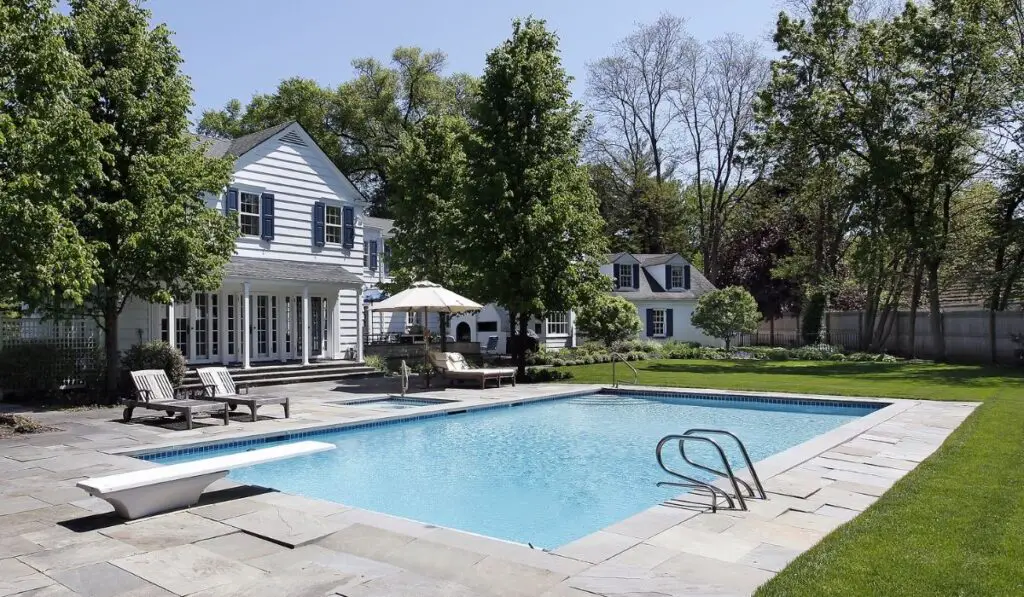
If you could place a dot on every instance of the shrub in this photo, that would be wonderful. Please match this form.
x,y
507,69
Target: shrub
x,y
375,361
593,347
837,356
609,319
156,355
37,370
726,313
543,375
588,360
557,363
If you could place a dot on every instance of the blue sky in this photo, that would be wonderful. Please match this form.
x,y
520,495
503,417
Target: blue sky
x,y
235,48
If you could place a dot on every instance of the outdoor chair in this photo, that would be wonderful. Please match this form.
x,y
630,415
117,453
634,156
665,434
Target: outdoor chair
x,y
218,385
492,346
454,368
155,392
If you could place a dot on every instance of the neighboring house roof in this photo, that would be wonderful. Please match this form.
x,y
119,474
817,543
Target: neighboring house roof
x,y
299,271
383,224
651,290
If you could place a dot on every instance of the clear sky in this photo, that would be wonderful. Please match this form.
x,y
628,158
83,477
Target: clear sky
x,y
235,48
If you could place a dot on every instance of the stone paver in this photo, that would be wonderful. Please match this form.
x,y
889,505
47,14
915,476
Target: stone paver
x,y
188,569
57,542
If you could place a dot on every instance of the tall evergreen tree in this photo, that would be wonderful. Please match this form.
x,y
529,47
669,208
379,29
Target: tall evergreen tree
x,y
533,229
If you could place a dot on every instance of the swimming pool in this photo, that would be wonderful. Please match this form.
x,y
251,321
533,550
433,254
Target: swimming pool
x,y
545,472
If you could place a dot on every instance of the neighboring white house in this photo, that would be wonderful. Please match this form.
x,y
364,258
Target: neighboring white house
x,y
293,289
665,288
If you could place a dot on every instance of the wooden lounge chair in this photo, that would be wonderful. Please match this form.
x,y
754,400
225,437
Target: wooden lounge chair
x,y
218,385
153,490
454,368
156,393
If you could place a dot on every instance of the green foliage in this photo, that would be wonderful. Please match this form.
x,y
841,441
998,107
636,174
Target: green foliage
x,y
726,313
429,203
359,124
533,230
543,375
145,217
156,355
609,319
48,148
376,362
39,370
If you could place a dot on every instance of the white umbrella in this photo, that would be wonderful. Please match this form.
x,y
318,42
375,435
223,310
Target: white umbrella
x,y
427,297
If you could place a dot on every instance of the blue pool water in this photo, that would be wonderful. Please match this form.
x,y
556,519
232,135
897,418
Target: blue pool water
x,y
546,473
390,403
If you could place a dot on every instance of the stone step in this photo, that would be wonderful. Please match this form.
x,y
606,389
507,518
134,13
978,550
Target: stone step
x,y
300,376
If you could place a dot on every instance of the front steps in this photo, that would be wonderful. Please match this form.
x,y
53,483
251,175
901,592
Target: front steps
x,y
287,373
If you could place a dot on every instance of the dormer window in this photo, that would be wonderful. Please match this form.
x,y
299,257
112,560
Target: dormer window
x,y
623,275
676,279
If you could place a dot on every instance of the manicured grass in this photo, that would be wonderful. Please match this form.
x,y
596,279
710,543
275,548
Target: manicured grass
x,y
953,526
896,380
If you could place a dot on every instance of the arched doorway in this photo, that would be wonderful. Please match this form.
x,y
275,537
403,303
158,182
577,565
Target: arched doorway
x,y
462,333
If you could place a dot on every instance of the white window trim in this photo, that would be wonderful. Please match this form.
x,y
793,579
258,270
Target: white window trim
x,y
258,214
654,323
340,226
628,267
672,277
553,325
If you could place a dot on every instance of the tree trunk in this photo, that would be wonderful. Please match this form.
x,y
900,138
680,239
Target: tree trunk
x,y
935,317
915,302
520,356
111,350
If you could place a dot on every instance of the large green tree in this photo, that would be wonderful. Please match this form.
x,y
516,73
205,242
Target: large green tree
x,y
48,148
533,230
360,123
143,216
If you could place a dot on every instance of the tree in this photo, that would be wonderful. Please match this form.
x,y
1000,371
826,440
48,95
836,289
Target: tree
x,y
532,226
360,123
428,203
725,313
608,319
144,217
48,148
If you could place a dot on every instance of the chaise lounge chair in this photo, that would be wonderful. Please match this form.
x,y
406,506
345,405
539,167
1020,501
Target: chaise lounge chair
x,y
453,367
218,385
156,393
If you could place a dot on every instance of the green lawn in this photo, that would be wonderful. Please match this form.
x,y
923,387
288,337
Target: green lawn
x,y
953,526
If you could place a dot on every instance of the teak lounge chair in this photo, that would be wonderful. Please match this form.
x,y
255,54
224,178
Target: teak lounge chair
x,y
218,385
156,393
453,367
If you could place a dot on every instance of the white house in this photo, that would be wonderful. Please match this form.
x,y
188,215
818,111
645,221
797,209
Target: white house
x,y
664,288
293,289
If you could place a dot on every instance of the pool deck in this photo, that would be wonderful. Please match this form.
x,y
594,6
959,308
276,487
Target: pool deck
x,y
55,541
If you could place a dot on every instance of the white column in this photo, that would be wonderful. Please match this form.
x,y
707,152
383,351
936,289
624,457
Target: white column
x,y
571,319
282,327
170,323
332,327
246,323
360,324
222,325
306,327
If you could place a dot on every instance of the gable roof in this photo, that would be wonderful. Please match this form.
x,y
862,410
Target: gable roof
x,y
651,290
383,224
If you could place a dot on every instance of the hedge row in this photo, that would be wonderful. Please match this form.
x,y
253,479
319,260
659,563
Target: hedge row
x,y
639,351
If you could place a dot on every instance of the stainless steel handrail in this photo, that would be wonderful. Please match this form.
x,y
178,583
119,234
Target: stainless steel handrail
x,y
743,450
697,484
404,374
615,381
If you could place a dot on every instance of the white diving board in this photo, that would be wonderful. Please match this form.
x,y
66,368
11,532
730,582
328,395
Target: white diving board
x,y
152,490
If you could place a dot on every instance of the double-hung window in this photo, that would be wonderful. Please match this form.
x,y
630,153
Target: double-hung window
x,y
658,322
332,224
558,323
249,213
366,254
676,280
624,275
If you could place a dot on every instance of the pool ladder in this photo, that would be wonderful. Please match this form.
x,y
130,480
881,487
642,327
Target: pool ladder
x,y
700,436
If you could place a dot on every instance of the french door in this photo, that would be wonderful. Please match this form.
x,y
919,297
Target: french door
x,y
318,327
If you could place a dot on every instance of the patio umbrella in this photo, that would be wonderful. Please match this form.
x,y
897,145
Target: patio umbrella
x,y
426,297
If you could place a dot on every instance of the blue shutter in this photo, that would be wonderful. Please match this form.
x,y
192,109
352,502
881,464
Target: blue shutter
x,y
387,259
615,275
231,202
267,213
373,254
636,276
686,277
650,323
668,323
668,277
348,223
319,215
